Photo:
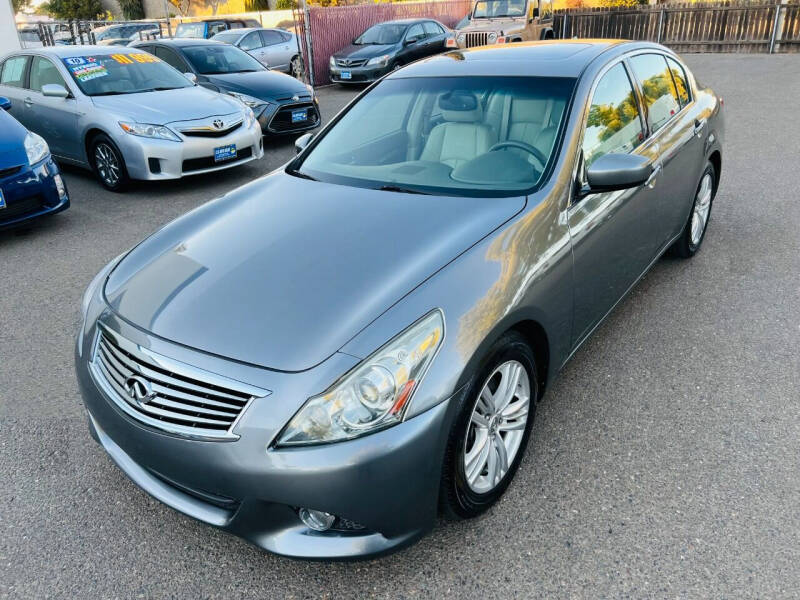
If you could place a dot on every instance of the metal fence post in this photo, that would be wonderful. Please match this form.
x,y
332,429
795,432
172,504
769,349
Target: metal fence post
x,y
777,27
564,26
660,25
309,47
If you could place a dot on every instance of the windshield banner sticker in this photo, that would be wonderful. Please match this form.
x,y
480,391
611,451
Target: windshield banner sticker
x,y
139,57
85,68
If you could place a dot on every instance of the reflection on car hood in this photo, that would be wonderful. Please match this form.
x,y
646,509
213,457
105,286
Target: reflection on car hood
x,y
284,271
160,108
266,85
365,51
12,142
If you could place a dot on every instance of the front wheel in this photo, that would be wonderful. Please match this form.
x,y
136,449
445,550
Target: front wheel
x,y
694,230
109,166
491,431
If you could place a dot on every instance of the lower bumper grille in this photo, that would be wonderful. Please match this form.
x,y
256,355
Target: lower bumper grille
x,y
22,207
208,162
166,394
282,120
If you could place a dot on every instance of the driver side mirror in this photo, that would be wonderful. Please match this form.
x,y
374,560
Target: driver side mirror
x,y
54,90
301,142
5,103
613,172
191,77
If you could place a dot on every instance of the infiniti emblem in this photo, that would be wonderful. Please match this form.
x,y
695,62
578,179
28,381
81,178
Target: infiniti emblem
x,y
217,123
139,390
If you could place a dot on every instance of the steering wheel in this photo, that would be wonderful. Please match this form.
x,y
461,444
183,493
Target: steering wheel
x,y
532,150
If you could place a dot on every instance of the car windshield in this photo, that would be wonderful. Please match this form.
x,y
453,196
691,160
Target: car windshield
x,y
469,136
229,37
191,30
218,59
385,33
493,9
123,73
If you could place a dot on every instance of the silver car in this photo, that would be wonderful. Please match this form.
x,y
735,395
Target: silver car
x,y
125,114
273,48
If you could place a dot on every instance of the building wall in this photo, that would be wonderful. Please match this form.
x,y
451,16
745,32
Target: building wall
x,y
9,40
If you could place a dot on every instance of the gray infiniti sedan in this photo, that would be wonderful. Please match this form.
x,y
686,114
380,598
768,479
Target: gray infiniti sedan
x,y
125,114
325,359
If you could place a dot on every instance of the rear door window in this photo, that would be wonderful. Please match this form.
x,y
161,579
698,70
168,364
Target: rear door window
x,y
172,59
658,88
681,83
13,72
271,37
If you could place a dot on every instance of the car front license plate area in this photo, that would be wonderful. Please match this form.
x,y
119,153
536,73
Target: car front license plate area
x,y
346,75
223,153
2,200
300,116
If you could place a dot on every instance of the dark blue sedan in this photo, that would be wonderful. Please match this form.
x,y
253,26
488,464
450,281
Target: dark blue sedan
x,y
30,183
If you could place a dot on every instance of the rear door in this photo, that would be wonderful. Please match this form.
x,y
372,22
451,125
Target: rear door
x,y
613,234
434,38
55,119
671,121
254,46
277,49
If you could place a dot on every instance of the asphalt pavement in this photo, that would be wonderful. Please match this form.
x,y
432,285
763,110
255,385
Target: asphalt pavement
x,y
664,462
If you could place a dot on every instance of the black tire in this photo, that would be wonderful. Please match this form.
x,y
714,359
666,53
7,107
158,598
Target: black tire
x,y
457,500
684,246
108,164
296,67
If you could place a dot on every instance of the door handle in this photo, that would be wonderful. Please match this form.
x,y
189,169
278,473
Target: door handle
x,y
651,181
28,102
698,126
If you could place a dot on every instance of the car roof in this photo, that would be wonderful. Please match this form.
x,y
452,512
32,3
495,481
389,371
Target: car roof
x,y
244,30
409,21
218,19
182,42
552,58
68,51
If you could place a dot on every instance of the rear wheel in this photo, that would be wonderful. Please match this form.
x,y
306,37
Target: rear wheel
x,y
489,436
296,67
108,164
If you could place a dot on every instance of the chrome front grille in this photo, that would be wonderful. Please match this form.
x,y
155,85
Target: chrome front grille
x,y
210,131
477,38
350,62
167,394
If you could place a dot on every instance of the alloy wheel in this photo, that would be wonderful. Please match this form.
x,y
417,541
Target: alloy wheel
x,y
107,164
497,426
297,67
702,206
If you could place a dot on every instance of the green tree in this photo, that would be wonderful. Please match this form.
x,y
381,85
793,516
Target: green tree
x,y
73,9
132,9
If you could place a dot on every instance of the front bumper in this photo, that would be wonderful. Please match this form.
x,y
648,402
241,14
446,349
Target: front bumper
x,y
359,74
153,159
31,193
386,483
276,119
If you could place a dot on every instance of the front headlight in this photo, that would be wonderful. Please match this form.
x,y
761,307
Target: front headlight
x,y
91,292
492,37
158,132
310,89
379,60
247,100
35,147
249,116
332,62
372,396
462,38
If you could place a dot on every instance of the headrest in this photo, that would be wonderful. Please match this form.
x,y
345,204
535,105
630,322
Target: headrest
x,y
528,110
460,107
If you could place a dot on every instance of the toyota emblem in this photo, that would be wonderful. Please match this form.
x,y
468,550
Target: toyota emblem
x,y
139,389
217,123
295,97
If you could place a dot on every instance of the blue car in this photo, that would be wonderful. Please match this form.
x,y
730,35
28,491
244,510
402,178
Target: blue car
x,y
30,183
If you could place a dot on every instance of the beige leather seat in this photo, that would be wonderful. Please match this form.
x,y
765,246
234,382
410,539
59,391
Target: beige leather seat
x,y
529,120
462,137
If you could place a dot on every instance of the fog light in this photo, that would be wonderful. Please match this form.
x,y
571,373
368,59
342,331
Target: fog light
x,y
316,519
62,191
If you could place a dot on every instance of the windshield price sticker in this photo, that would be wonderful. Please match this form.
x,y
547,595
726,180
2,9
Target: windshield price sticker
x,y
139,57
85,68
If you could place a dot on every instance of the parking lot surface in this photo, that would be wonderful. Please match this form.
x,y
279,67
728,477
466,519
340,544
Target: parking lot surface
x,y
664,462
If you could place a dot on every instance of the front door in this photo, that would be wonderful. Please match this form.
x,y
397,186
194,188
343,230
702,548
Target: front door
x,y
614,234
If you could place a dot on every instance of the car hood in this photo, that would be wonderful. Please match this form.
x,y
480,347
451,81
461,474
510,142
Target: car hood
x,y
365,51
265,85
282,272
12,142
167,106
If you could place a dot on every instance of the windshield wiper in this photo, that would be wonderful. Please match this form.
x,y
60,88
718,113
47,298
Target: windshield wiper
x,y
300,174
401,189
